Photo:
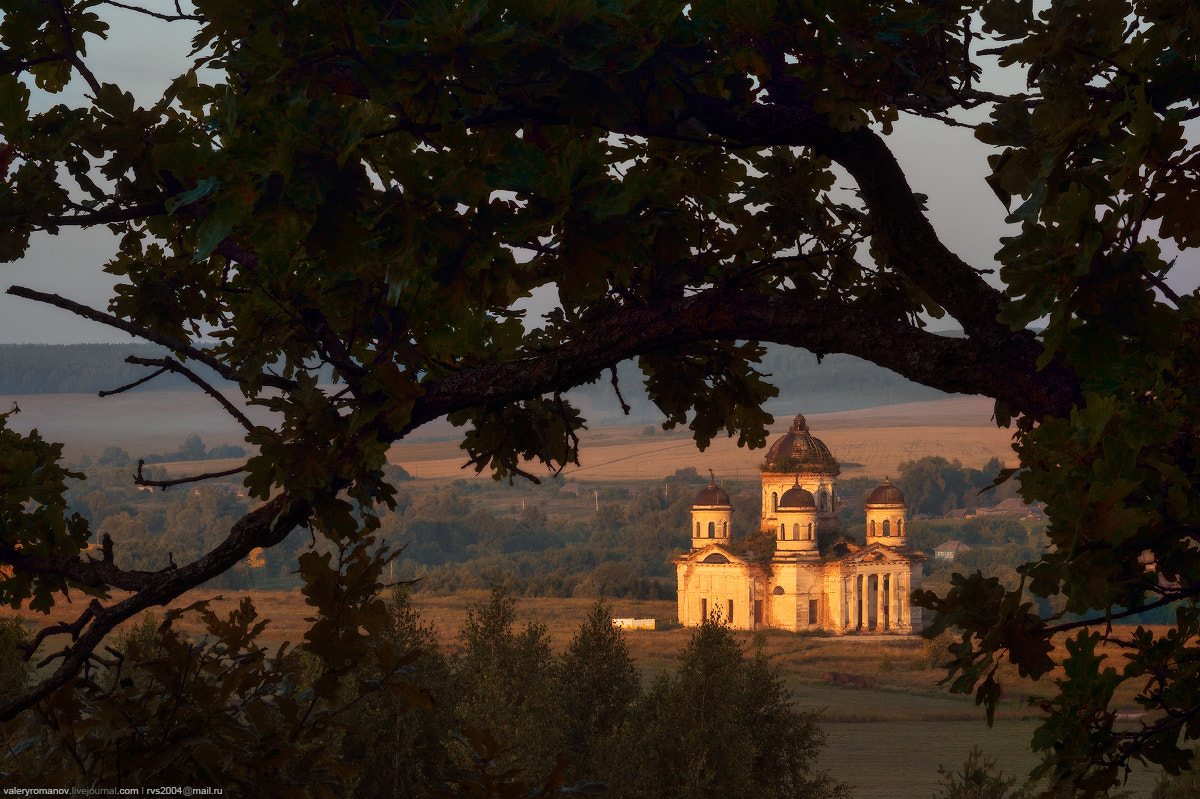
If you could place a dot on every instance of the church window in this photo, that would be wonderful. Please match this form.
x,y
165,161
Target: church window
x,y
795,532
712,529
899,527
812,611
774,502
703,608
872,527
783,532
730,611
887,527
810,531
697,529
724,529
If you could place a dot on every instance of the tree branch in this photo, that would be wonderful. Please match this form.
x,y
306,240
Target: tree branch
x,y
173,365
1004,368
263,527
165,484
171,343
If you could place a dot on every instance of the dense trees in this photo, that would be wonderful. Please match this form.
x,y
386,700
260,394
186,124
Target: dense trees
x,y
934,486
373,188
502,709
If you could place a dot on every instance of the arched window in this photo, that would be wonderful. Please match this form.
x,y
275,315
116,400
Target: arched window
x,y
810,531
712,529
783,532
774,502
887,527
899,527
697,529
795,532
724,529
872,527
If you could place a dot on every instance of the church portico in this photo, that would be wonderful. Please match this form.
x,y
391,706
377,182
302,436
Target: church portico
x,y
858,589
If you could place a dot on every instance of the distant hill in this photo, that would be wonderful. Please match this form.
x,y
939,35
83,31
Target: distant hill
x,y
79,368
837,383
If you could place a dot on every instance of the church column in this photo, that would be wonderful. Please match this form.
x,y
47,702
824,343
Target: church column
x,y
848,590
880,601
903,612
837,609
859,602
894,600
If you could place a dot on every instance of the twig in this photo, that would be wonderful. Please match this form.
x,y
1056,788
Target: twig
x,y
68,33
175,366
179,15
165,484
171,343
612,370
134,384
1166,600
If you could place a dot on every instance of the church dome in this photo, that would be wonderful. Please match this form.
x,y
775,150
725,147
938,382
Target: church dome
x,y
796,498
711,495
886,494
799,451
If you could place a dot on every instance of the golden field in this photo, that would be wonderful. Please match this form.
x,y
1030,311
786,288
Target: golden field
x,y
868,442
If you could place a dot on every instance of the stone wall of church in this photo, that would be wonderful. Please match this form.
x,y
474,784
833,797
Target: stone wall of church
x,y
728,589
822,486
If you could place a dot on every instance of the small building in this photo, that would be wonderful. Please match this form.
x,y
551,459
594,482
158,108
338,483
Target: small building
x,y
949,550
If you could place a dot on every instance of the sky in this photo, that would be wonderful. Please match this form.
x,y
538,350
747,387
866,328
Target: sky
x,y
947,164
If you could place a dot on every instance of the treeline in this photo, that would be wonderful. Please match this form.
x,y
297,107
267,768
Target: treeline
x,y
451,539
80,368
88,369
934,486
454,542
836,383
502,715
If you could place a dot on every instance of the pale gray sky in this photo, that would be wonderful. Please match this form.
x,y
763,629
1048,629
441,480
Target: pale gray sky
x,y
947,164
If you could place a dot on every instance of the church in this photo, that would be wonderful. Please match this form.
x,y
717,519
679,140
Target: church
x,y
854,589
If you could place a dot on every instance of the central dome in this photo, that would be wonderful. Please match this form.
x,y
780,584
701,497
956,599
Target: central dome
x,y
799,451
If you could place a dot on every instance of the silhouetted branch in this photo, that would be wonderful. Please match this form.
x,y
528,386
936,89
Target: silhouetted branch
x,y
165,484
170,342
175,366
134,384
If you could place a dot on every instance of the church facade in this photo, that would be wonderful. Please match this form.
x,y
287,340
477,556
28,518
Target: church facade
x,y
853,589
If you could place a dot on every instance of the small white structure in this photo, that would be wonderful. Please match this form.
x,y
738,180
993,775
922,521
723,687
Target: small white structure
x,y
634,624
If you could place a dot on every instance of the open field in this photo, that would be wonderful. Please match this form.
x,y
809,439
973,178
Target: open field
x,y
887,741
869,442
143,423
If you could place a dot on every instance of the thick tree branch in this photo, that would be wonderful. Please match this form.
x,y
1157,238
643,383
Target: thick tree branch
x,y
263,527
1004,368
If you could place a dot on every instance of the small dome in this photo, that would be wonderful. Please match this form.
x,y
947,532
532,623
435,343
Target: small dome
x,y
799,451
711,495
796,498
886,494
